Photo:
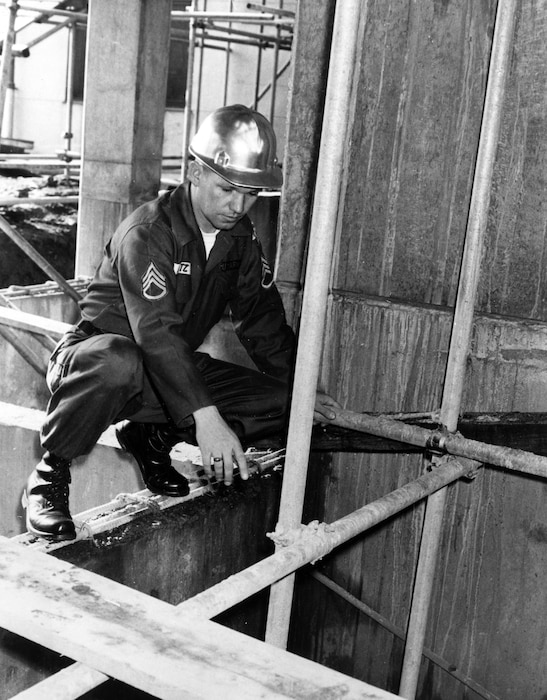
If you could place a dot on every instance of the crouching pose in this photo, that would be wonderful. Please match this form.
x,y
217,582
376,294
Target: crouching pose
x,y
167,275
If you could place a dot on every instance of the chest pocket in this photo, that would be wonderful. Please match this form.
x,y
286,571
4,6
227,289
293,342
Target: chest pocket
x,y
225,277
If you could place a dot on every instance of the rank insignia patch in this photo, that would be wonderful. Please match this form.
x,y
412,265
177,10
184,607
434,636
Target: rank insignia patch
x,y
154,284
267,274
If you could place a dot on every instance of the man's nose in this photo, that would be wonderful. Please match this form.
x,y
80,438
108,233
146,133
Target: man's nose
x,y
238,202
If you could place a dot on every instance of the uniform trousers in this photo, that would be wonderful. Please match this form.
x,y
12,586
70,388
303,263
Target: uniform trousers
x,y
97,380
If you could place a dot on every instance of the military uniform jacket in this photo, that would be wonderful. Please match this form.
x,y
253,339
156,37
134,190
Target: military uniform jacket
x,y
155,285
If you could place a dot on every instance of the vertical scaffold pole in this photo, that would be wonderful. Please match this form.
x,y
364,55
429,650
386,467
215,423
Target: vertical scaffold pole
x,y
314,304
68,135
5,63
187,122
461,333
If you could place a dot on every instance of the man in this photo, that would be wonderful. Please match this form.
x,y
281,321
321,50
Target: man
x,y
167,275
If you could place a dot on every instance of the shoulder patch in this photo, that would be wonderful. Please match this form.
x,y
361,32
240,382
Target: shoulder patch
x,y
267,274
154,284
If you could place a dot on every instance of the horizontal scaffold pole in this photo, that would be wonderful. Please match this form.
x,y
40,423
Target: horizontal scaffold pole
x,y
315,542
451,443
312,544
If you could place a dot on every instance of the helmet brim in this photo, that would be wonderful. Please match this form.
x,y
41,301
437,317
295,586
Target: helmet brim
x,y
270,179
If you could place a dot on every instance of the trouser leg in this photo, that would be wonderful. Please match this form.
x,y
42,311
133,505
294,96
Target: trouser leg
x,y
95,381
254,404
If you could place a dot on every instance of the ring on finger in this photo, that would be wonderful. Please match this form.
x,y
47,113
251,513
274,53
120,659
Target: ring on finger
x,y
218,459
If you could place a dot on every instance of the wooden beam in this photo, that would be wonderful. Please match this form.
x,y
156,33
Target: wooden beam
x,y
136,638
32,323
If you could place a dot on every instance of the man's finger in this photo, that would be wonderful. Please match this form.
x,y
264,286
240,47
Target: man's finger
x,y
242,464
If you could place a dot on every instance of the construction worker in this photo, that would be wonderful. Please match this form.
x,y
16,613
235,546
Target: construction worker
x,y
167,276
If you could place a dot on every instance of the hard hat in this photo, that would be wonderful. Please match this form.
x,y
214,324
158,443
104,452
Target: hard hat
x,y
239,144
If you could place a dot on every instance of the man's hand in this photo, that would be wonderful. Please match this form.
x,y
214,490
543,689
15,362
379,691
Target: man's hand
x,y
219,445
325,408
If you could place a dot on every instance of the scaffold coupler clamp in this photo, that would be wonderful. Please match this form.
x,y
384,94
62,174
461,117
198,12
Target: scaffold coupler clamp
x,y
307,536
435,445
436,454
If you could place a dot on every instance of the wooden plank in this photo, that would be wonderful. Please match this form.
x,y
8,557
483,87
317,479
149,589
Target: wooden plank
x,y
32,323
135,638
72,682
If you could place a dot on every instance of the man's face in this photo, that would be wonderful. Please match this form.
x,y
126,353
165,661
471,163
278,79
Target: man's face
x,y
217,204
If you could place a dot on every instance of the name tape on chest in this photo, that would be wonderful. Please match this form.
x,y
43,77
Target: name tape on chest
x,y
182,268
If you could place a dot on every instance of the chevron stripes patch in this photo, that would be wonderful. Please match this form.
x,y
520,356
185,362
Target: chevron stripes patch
x,y
154,284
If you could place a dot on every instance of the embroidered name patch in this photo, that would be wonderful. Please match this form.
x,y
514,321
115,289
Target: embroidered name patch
x,y
229,265
182,268
154,284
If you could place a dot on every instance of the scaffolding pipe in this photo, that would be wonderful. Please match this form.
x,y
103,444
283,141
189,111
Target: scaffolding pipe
x,y
187,122
200,69
314,305
260,38
35,256
9,103
227,62
269,85
242,17
258,64
274,10
67,136
16,201
204,34
79,16
390,627
38,40
443,442
461,333
274,76
315,543
312,545
5,61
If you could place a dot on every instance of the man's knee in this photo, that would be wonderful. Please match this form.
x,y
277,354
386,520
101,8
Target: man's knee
x,y
114,361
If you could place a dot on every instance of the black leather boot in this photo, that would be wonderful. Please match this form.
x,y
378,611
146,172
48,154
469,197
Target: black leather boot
x,y
151,444
46,500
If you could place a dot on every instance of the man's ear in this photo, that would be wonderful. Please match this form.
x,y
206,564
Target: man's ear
x,y
194,172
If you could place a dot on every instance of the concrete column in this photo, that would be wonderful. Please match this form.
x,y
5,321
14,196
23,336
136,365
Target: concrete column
x,y
125,85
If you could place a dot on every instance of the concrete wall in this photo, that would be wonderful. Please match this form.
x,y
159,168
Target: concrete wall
x,y
406,185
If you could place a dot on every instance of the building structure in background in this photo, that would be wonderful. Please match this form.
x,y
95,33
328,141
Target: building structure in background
x,y
233,61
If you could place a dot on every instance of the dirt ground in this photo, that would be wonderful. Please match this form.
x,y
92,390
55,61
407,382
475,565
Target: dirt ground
x,y
50,229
